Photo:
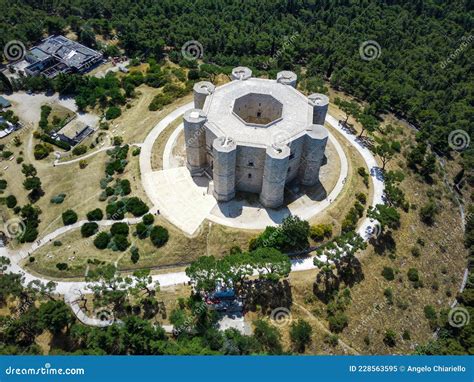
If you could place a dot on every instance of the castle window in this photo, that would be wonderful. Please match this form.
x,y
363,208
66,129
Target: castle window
x,y
249,176
251,164
292,155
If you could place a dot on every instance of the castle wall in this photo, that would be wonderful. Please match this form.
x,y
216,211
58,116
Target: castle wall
x,y
249,171
224,153
195,140
274,176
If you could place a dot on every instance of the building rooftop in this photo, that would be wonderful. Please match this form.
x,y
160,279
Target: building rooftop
x,y
4,102
258,112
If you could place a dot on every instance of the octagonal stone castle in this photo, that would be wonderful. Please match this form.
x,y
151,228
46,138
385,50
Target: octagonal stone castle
x,y
255,135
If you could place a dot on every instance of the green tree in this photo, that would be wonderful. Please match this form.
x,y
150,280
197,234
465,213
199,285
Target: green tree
x,y
300,335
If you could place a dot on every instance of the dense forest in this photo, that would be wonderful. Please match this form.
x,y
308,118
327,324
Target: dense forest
x,y
424,71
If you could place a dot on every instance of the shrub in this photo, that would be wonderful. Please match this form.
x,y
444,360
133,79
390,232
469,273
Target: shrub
x,y
89,229
361,197
120,242
159,236
79,150
95,215
11,201
113,112
135,256
115,211
388,273
3,184
119,229
428,212
300,334
430,312
62,266
415,251
69,217
124,185
142,230
390,338
83,164
58,199
320,231
57,243
136,206
413,275
148,219
102,240
337,322
136,151
388,293
41,151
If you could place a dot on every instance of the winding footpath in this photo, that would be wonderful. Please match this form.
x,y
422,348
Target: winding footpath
x,y
72,290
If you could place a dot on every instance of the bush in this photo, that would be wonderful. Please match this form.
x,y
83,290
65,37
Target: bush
x,y
361,197
120,242
79,150
430,313
89,229
41,151
95,215
62,266
388,273
148,219
300,334
57,243
119,229
136,151
136,206
428,212
413,275
415,251
102,240
142,230
159,236
124,185
320,231
338,322
11,201
58,199
390,338
113,112
115,211
69,217
135,256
